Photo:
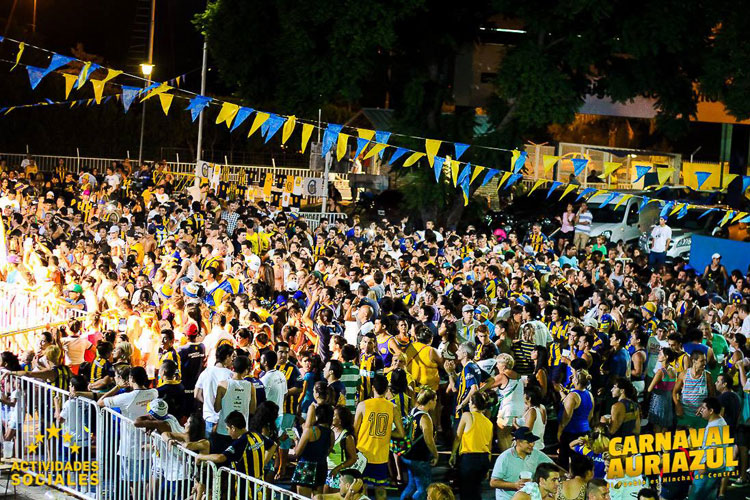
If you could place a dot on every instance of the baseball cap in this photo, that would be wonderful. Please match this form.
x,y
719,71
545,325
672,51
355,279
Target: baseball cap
x,y
482,310
158,408
591,322
650,307
716,256
523,299
191,330
75,288
114,229
523,434
467,308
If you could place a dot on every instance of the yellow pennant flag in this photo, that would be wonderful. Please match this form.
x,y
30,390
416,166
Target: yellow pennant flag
x,y
364,133
411,160
227,113
84,74
739,216
568,189
677,208
513,157
538,183
476,173
9,110
623,199
166,102
286,132
375,149
98,89
163,87
73,103
454,171
598,192
343,141
112,73
21,46
609,169
728,178
306,132
260,119
664,173
503,179
431,146
549,162
727,216
70,80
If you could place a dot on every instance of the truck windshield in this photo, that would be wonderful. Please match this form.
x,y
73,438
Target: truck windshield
x,y
607,215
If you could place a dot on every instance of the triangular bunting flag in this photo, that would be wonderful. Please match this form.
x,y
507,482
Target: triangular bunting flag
x,y
645,201
227,113
683,211
666,209
476,172
241,116
549,162
745,183
35,75
128,96
728,179
70,80
739,216
701,177
112,73
87,70
413,159
260,119
506,175
514,155
21,46
438,167
465,174
640,171
272,125
361,144
608,199
364,136
288,129
518,165
454,165
159,90
98,89
330,134
397,154
488,176
538,183
341,144
460,149
584,193
431,147
148,89
376,148
382,137
624,198
568,189
677,207
307,130
664,173
166,102
197,104
707,212
554,186
609,169
57,61
578,165
728,215
512,180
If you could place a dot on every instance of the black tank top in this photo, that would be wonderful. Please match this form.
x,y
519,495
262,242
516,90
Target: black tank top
x,y
419,450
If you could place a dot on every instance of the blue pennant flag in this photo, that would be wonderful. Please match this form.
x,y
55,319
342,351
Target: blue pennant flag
x,y
745,182
578,165
128,96
465,186
330,135
460,149
701,177
707,212
397,154
438,167
552,188
666,209
58,61
83,78
683,211
148,89
643,204
489,175
465,174
197,104
609,199
585,192
361,143
381,137
745,220
272,125
35,75
241,116
50,101
107,99
512,179
640,171
520,161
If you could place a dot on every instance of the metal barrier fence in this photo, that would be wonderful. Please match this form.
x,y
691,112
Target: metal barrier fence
x,y
94,453
313,218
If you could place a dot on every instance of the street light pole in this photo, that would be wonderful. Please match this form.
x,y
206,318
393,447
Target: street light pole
x,y
33,19
149,65
203,92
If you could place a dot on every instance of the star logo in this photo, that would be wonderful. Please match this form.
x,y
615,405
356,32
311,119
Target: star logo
x,y
32,448
67,437
75,448
53,431
39,438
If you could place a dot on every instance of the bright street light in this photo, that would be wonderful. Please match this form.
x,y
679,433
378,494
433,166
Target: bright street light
x,y
147,69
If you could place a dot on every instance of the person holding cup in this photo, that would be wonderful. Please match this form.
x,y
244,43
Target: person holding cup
x,y
516,465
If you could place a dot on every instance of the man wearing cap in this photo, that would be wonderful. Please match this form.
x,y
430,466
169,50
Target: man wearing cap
x,y
716,275
661,236
75,297
466,326
516,465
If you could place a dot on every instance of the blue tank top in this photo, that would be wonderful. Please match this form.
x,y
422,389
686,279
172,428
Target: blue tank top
x,y
317,451
579,422
385,353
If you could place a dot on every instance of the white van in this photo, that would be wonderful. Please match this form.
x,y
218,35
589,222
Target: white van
x,y
625,224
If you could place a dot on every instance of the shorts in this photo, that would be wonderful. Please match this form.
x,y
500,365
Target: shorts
x,y
507,416
376,475
133,469
285,421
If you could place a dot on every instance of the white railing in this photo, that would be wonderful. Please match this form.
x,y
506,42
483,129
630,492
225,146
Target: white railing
x,y
115,459
313,218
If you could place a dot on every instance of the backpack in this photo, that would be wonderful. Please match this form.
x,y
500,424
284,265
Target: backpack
x,y
400,446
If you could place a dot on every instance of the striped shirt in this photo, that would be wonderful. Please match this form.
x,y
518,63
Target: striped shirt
x,y
100,368
585,217
292,375
350,379
246,454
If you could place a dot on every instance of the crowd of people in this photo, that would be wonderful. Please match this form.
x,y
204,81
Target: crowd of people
x,y
361,355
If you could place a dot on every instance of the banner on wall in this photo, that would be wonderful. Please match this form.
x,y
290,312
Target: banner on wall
x,y
312,186
204,170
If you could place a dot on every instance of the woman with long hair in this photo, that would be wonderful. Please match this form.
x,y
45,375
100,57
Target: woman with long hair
x,y
313,449
343,455
661,407
540,356
263,422
575,414
473,443
581,472
423,454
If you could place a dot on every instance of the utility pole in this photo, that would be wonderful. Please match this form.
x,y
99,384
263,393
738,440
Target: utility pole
x,y
203,92
147,73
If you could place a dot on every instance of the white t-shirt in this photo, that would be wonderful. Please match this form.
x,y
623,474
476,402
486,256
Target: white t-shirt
x,y
113,180
238,396
275,383
74,348
208,381
77,417
660,234
746,325
132,405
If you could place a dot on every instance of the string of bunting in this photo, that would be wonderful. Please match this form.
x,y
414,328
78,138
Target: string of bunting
x,y
370,142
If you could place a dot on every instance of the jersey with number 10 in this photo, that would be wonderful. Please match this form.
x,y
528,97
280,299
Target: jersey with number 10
x,y
374,436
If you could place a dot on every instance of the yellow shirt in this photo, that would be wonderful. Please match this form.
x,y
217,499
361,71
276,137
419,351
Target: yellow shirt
x,y
374,436
422,369
478,437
